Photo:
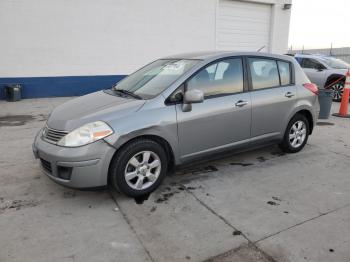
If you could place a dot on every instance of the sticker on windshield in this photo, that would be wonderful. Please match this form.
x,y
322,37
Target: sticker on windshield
x,y
178,65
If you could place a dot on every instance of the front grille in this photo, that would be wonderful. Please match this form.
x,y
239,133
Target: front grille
x,y
52,135
46,165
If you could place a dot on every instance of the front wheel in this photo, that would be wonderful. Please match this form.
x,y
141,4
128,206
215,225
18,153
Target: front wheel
x,y
139,167
296,134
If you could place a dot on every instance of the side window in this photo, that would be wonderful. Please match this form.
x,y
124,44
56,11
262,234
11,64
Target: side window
x,y
311,63
221,69
224,77
285,73
264,73
299,60
211,71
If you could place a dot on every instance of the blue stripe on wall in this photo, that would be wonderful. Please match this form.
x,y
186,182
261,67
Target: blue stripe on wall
x,y
33,87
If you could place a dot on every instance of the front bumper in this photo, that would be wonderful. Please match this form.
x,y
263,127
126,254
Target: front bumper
x,y
79,167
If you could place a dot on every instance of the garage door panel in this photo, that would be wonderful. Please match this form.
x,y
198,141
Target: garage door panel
x,y
246,29
247,39
241,46
242,5
259,14
243,25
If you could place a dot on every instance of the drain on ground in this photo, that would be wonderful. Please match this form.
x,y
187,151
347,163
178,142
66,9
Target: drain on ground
x,y
237,233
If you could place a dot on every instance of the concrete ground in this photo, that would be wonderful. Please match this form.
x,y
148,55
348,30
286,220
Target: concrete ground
x,y
255,206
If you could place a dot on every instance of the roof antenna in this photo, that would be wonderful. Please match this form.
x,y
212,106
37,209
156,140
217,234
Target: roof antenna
x,y
261,48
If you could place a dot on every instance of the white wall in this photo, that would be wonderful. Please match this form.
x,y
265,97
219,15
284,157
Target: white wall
x,y
280,27
89,37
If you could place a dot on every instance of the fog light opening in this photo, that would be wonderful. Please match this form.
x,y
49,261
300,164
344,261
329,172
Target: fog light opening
x,y
64,172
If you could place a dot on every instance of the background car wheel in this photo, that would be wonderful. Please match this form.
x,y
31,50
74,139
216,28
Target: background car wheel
x,y
139,167
338,89
296,134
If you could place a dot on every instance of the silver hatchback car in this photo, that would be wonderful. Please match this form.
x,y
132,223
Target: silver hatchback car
x,y
175,110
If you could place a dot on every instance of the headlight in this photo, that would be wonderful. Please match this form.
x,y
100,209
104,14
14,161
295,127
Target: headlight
x,y
86,134
44,131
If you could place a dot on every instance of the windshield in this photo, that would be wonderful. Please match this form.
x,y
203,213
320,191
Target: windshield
x,y
154,78
335,63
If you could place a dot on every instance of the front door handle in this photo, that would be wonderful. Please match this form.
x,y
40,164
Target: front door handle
x,y
241,103
289,94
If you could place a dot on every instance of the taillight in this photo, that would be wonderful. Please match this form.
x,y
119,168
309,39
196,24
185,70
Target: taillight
x,y
312,87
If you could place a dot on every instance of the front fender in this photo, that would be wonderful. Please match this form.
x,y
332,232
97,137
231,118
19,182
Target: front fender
x,y
160,122
333,78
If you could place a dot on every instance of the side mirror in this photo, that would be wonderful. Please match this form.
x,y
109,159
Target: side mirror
x,y
192,97
320,68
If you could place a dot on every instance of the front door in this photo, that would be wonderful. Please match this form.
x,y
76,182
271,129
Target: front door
x,y
315,71
223,118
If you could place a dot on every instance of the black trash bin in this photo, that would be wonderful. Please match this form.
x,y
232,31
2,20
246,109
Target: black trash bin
x,y
13,92
325,98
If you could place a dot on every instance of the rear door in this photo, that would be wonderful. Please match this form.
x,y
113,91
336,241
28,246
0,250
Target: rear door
x,y
223,118
273,96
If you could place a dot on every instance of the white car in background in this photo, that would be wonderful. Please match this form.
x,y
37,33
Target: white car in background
x,y
325,71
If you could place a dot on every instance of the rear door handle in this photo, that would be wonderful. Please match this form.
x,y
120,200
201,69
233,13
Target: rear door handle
x,y
289,94
241,103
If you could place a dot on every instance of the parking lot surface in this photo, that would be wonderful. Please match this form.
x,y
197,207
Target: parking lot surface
x,y
261,205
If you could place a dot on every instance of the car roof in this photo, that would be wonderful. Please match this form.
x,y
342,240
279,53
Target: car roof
x,y
312,55
210,55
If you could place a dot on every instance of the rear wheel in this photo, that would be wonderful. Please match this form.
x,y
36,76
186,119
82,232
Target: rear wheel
x,y
139,167
296,134
338,89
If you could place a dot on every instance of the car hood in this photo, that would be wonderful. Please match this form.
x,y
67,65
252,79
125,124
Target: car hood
x,y
98,106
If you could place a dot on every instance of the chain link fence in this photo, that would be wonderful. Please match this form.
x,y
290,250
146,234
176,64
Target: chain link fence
x,y
342,53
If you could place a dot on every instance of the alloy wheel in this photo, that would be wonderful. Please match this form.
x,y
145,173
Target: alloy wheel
x,y
297,134
337,91
142,170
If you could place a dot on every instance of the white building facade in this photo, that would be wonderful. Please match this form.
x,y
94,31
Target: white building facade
x,y
72,47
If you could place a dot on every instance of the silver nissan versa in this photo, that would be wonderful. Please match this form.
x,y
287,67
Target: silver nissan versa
x,y
175,110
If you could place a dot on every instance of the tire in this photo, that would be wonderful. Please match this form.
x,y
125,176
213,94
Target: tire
x,y
337,91
131,174
301,135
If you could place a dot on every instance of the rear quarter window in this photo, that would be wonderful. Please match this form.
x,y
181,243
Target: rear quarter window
x,y
284,69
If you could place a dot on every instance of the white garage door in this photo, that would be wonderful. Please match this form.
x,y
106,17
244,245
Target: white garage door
x,y
243,26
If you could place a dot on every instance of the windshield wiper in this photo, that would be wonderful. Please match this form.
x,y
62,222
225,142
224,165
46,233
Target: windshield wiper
x,y
129,93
